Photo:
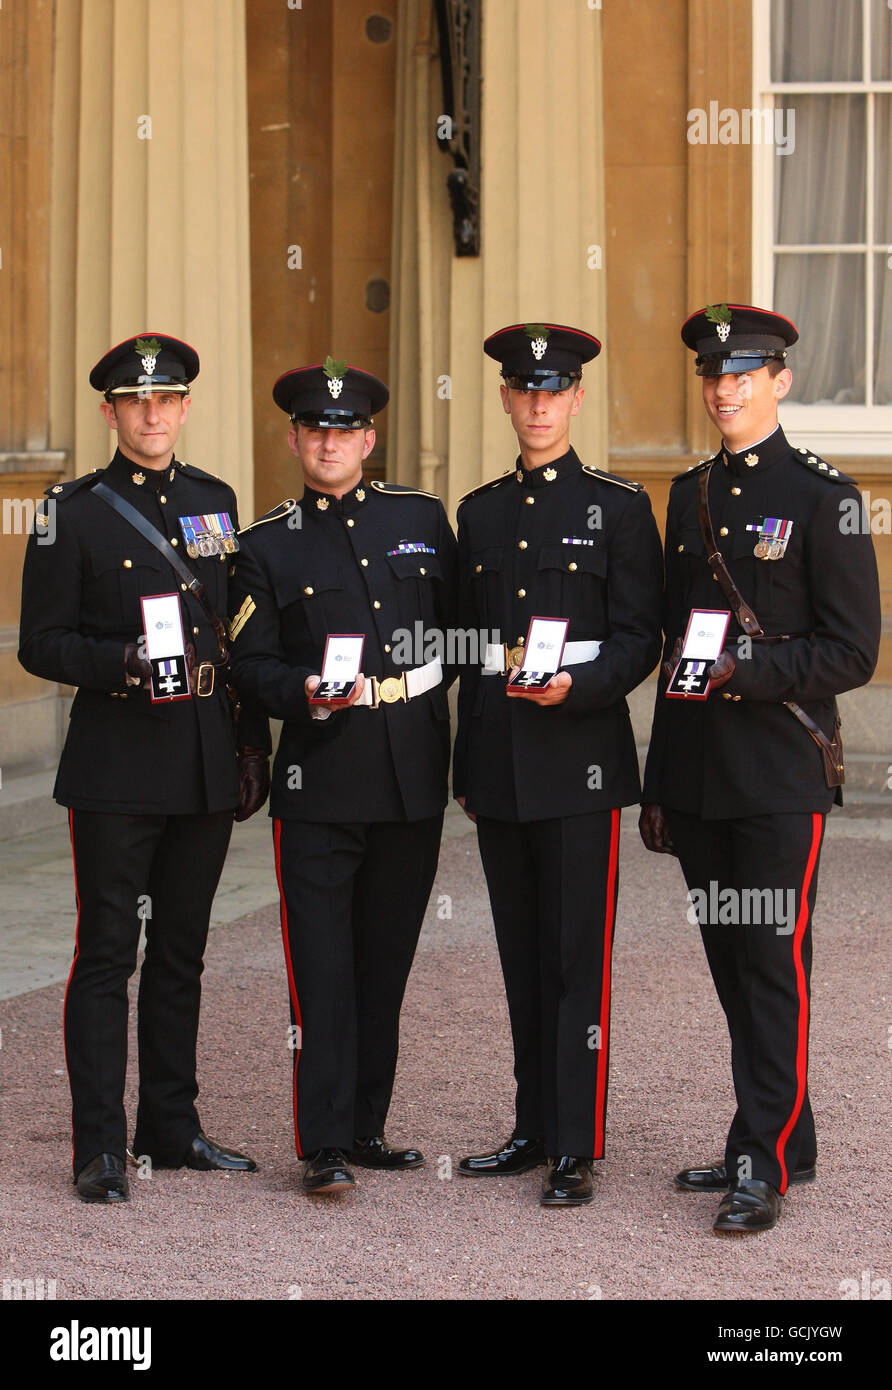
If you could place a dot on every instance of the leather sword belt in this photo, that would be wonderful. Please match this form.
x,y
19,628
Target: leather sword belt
x,y
499,658
388,690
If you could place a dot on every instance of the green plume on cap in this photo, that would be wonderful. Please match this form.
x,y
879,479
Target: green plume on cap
x,y
147,347
718,313
536,330
332,369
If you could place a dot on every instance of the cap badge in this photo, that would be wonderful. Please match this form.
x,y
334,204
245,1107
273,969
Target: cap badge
x,y
720,315
147,349
538,334
335,373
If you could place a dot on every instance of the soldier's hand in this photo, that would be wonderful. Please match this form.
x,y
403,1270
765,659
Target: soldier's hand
x,y
653,829
312,682
253,781
721,670
136,668
555,692
469,814
670,665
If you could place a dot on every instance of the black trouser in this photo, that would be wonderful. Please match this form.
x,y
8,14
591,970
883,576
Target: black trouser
x,y
353,899
552,887
164,870
762,973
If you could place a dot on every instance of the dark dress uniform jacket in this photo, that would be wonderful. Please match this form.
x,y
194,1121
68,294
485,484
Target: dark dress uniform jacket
x,y
81,605
307,571
746,754
515,760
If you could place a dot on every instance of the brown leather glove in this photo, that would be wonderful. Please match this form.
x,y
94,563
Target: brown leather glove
x,y
722,669
136,668
253,781
675,657
654,831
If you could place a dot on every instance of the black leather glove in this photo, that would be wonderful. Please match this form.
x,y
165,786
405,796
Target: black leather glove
x,y
136,668
722,669
654,831
253,781
675,657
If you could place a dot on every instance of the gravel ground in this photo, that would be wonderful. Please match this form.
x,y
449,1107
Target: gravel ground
x,y
425,1235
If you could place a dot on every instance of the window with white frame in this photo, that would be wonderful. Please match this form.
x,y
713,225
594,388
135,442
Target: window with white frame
x,y
822,212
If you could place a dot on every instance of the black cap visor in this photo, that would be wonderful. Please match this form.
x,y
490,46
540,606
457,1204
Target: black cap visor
x,y
331,420
532,380
732,363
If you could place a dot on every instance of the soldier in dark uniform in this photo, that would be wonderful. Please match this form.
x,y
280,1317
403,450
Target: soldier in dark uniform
x,y
739,785
545,775
357,793
151,787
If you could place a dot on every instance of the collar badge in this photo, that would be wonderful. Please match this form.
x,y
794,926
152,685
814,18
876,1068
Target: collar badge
x,y
138,478
751,460
322,504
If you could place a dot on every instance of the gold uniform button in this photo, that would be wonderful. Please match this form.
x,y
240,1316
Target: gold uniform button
x,y
521,593
128,564
572,565
522,545
174,541
308,589
377,603
735,491
680,548
184,587
195,631
387,646
723,531
422,570
725,695
162,498
529,501
350,521
364,562
478,569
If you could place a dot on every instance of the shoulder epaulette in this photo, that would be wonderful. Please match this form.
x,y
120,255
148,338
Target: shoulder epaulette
x,y
611,478
192,472
484,487
821,467
398,490
694,468
278,513
60,491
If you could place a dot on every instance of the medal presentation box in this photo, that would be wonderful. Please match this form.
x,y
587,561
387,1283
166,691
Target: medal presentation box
x,y
341,665
703,642
165,648
542,654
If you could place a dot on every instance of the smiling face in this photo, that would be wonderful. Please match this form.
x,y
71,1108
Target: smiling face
x,y
743,405
331,460
147,424
541,421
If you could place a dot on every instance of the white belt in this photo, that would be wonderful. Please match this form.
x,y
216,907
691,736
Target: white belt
x,y
498,659
405,687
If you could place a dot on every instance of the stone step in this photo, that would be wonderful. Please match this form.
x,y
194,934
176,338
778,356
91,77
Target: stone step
x,y
26,803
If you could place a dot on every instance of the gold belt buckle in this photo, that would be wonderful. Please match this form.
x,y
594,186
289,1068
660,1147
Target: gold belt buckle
x,y
204,679
513,657
391,689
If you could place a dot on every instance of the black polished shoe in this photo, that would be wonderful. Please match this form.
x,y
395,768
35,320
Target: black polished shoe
x,y
568,1183
714,1177
326,1171
375,1153
752,1205
204,1154
103,1180
515,1156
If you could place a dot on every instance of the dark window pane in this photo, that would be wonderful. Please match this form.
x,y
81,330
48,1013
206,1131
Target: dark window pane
x,y
819,189
824,296
816,41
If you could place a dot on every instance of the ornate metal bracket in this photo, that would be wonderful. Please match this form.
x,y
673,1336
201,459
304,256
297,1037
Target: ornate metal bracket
x,y
458,26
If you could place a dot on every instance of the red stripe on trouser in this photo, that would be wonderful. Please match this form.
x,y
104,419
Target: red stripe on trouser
x,y
601,1084
817,823
77,899
292,987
